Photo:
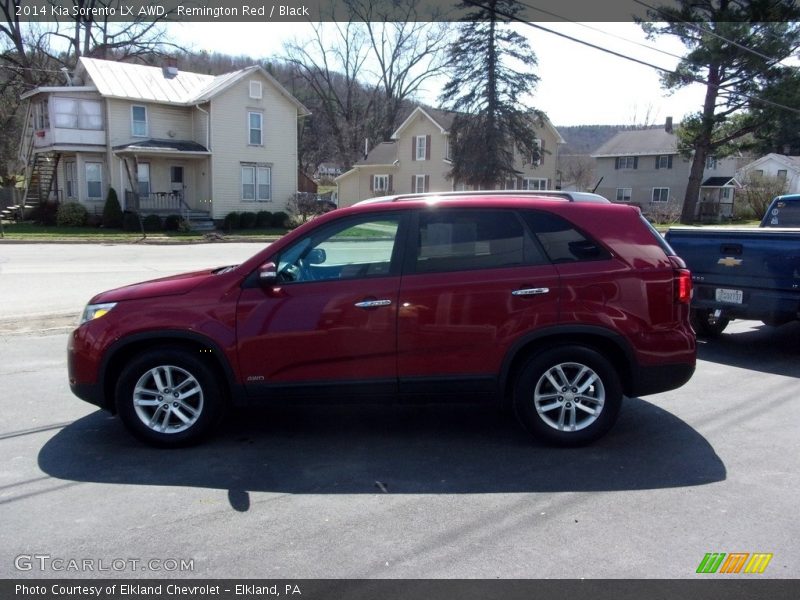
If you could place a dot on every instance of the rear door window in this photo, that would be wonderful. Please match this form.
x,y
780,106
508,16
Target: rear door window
x,y
466,239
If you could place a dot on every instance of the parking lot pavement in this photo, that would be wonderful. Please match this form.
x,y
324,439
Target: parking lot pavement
x,y
385,492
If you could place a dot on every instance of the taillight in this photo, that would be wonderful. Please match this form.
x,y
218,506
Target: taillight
x,y
683,286
683,280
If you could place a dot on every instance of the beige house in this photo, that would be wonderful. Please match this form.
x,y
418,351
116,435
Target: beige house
x,y
168,141
417,159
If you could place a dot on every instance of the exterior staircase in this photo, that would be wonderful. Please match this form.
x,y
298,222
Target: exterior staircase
x,y
38,185
200,220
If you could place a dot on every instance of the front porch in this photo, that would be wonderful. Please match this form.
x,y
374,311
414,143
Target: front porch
x,y
164,204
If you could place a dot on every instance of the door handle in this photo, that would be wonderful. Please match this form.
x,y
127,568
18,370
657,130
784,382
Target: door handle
x,y
372,303
531,292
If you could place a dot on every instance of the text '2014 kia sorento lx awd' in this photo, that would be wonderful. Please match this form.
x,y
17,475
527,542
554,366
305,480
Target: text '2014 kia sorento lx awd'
x,y
558,308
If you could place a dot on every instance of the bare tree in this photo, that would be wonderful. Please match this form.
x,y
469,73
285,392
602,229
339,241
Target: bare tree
x,y
332,64
141,37
759,190
406,51
577,170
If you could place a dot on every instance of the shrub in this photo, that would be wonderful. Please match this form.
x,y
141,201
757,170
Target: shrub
x,y
71,214
247,220
152,223
130,222
231,221
172,222
280,219
44,214
112,211
263,219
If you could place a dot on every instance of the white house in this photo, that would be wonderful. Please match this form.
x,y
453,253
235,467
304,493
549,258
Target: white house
x,y
774,165
168,141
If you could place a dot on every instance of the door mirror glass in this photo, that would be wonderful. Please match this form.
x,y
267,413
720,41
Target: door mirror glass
x,y
268,274
316,256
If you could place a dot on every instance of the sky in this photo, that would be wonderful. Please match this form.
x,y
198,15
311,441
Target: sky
x,y
578,85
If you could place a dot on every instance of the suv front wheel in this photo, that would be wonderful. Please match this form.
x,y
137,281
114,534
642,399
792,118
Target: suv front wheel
x,y
568,395
168,397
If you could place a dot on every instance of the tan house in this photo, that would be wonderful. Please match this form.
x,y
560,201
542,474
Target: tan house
x,y
168,141
417,159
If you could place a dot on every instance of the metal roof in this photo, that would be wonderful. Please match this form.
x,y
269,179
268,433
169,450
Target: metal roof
x,y
139,82
154,84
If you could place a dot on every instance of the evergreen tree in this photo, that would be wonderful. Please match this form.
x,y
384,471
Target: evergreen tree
x,y
492,79
736,49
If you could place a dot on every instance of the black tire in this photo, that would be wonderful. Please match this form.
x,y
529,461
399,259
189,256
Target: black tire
x,y
706,325
562,416
181,411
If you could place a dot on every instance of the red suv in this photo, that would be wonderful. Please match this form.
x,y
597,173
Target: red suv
x,y
556,307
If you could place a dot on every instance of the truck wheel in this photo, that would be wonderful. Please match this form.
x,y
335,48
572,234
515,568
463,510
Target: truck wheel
x,y
706,325
568,395
168,397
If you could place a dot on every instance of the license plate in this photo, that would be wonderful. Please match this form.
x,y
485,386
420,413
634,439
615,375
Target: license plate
x,y
729,296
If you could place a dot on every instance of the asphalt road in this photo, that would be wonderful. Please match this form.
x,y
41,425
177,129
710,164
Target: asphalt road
x,y
385,492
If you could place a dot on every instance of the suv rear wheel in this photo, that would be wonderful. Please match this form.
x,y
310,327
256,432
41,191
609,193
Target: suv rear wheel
x,y
568,395
168,397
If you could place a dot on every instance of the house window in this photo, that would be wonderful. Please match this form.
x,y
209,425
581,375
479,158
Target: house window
x,y
255,90
758,173
255,125
380,183
626,162
782,173
422,147
420,184
71,177
94,180
447,149
660,194
534,183
711,162
139,121
71,113
41,115
256,183
143,179
624,194
510,183
664,161
537,158
726,193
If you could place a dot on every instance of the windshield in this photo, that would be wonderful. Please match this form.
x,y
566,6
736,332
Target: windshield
x,y
783,213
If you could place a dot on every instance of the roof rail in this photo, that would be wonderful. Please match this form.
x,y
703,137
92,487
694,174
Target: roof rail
x,y
564,195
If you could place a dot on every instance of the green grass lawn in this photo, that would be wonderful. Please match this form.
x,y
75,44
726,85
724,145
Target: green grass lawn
x,y
43,233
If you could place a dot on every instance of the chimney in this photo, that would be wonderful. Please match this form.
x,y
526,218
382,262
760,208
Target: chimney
x,y
668,125
170,67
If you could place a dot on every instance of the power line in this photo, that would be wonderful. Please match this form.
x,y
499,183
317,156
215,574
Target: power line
x,y
635,60
696,27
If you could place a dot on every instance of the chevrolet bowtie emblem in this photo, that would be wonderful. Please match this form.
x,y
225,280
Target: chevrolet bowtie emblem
x,y
729,261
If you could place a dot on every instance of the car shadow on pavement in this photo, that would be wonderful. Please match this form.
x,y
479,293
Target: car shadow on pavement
x,y
757,347
395,450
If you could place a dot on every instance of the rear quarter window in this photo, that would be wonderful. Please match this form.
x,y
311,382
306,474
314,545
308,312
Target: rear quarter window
x,y
561,240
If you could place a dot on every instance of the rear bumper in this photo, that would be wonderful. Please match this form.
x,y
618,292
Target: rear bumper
x,y
660,378
757,304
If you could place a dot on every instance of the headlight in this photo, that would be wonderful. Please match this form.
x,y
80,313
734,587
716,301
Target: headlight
x,y
95,311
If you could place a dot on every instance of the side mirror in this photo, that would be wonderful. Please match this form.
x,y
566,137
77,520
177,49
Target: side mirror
x,y
268,274
317,256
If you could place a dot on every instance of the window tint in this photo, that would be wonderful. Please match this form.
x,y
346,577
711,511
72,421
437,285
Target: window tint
x,y
561,240
460,240
355,248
